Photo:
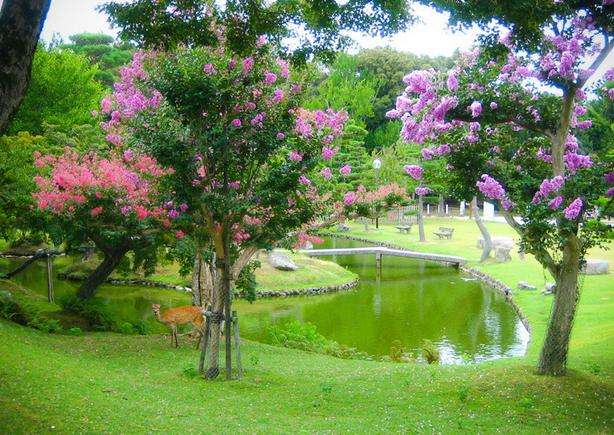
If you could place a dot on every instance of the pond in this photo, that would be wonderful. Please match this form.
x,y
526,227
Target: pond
x,y
409,301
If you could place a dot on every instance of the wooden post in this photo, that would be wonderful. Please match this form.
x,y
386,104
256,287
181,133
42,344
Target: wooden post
x,y
235,328
378,261
447,209
205,341
50,295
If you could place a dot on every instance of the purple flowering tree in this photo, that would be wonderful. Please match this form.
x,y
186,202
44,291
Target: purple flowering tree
x,y
507,118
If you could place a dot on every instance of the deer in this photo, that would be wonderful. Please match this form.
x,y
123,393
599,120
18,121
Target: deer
x,y
174,317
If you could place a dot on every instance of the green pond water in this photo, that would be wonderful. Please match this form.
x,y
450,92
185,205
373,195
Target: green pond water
x,y
409,301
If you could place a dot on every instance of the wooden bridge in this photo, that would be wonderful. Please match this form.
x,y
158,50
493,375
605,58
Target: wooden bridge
x,y
380,251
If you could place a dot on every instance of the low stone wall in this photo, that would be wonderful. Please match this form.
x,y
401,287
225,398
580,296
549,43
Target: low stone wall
x,y
488,280
264,293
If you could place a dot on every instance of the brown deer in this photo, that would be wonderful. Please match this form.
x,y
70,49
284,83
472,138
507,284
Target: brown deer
x,y
174,317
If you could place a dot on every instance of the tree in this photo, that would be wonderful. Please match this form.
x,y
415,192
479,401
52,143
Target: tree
x,y
21,22
386,67
62,93
316,26
505,133
112,201
242,151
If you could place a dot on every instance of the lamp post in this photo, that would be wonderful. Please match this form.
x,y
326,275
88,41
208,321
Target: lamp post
x,y
377,164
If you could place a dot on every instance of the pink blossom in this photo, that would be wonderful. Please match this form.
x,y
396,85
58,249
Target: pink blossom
x,y
295,156
173,214
236,122
427,153
304,180
284,68
493,105
422,190
250,105
96,211
326,173
183,207
281,136
128,154
349,198
452,82
609,178
328,153
345,170
572,211
179,234
261,41
209,69
247,64
270,78
278,95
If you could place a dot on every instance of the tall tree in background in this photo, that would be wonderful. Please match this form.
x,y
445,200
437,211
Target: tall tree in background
x,y
21,22
302,28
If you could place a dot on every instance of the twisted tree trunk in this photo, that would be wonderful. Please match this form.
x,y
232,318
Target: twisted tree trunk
x,y
553,358
203,277
111,260
487,247
21,22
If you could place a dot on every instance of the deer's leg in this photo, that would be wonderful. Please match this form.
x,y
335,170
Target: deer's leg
x,y
174,336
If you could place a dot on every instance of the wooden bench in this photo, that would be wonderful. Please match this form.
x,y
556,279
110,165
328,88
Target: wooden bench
x,y
444,233
404,228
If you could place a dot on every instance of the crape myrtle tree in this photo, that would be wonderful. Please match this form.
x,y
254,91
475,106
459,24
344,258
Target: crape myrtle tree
x,y
244,156
113,201
506,118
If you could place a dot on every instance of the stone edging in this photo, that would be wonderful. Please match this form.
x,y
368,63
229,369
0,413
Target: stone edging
x,y
483,277
264,293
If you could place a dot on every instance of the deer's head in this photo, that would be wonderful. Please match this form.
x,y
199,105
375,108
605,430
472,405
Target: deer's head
x,y
156,309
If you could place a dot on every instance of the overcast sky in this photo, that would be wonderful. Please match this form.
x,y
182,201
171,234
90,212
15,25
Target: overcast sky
x,y
431,37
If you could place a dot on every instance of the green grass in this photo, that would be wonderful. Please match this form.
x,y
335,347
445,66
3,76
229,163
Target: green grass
x,y
311,272
592,341
105,382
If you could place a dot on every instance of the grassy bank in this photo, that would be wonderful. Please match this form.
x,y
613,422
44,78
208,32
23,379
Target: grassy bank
x,y
106,382
592,340
311,273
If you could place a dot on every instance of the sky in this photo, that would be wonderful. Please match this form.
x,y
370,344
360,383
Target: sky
x,y
430,37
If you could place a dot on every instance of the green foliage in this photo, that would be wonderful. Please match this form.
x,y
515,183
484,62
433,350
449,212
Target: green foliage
x,y
21,306
62,92
94,311
246,282
74,331
91,39
190,372
318,25
304,336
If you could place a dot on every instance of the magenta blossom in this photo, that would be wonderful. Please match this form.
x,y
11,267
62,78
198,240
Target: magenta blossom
x,y
328,153
573,210
248,64
304,180
281,136
326,173
349,198
491,188
295,156
421,190
236,122
414,171
345,170
493,105
270,78
555,202
476,109
209,69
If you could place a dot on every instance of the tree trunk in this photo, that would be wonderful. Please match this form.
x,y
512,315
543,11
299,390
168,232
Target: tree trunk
x,y
440,206
202,281
21,22
487,247
109,263
553,358
420,219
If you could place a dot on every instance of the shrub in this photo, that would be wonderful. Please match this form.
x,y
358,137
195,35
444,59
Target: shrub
x,y
74,331
94,311
20,306
126,328
430,352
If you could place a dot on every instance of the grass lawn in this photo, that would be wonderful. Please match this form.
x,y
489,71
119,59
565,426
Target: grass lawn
x,y
105,382
311,272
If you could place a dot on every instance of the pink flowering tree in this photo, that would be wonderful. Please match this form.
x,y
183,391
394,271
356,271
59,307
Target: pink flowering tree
x,y
505,119
112,201
244,156
372,203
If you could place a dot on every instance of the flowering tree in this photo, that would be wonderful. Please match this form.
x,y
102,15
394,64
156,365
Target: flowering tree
x,y
372,203
504,120
243,154
112,201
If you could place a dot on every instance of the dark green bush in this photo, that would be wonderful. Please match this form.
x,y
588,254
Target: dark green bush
x,y
94,311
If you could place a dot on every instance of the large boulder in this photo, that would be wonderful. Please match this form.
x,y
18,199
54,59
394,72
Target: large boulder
x,y
596,267
505,242
502,254
281,261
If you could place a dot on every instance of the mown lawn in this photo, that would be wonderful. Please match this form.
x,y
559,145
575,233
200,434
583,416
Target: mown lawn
x,y
311,272
105,382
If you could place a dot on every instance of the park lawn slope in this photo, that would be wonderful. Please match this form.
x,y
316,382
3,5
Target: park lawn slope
x,y
592,341
311,272
105,382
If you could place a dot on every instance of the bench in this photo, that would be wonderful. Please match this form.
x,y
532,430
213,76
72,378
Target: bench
x,y
404,228
444,233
